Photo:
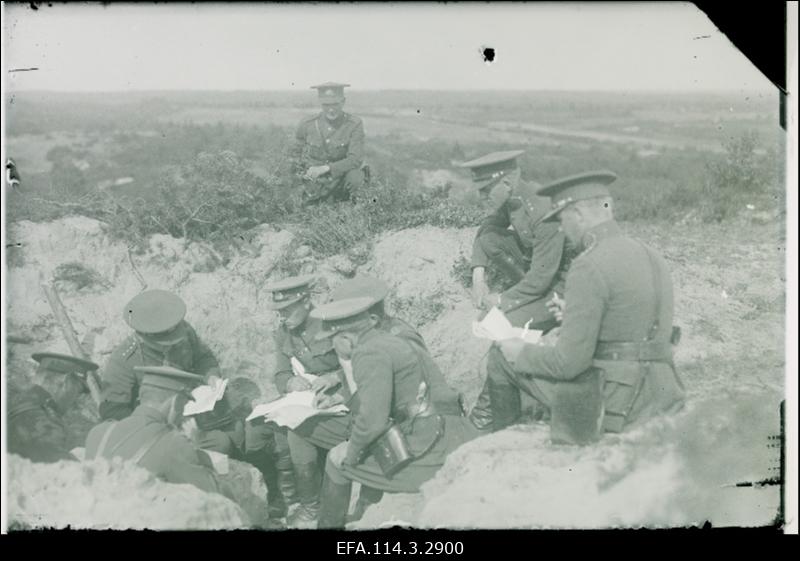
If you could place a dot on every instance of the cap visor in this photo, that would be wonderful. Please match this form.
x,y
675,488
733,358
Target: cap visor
x,y
552,216
284,304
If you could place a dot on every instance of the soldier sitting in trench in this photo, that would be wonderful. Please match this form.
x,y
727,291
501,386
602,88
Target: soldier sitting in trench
x,y
163,337
407,420
37,416
151,438
311,441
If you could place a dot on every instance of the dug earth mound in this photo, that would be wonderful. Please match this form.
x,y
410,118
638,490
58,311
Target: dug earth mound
x,y
729,303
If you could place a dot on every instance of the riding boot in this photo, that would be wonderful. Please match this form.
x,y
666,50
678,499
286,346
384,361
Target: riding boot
x,y
334,504
366,498
481,414
506,405
265,462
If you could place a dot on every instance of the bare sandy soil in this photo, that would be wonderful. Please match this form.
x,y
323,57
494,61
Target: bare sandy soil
x,y
729,286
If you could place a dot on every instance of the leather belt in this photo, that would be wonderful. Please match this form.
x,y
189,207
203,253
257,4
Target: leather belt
x,y
439,408
653,351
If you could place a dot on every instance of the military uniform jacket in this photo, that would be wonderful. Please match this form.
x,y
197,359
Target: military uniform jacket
x,y
388,370
168,454
611,297
121,381
544,240
318,142
317,357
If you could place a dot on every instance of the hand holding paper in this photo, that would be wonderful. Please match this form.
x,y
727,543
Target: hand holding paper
x,y
293,409
496,327
205,397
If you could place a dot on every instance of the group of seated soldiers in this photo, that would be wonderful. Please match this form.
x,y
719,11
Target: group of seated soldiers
x,y
611,367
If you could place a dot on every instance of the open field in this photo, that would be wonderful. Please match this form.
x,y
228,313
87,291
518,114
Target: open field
x,y
699,180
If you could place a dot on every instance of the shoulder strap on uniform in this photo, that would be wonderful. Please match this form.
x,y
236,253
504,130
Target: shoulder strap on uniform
x,y
103,441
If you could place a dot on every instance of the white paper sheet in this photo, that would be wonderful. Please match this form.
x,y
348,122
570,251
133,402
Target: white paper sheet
x,y
205,397
293,409
496,327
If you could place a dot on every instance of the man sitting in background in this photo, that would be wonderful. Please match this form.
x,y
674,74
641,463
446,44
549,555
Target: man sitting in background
x,y
328,152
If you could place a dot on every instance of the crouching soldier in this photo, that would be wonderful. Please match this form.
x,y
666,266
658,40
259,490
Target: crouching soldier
x,y
37,427
612,366
407,420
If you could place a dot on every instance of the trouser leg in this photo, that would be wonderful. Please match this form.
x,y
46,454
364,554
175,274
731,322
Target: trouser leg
x,y
286,482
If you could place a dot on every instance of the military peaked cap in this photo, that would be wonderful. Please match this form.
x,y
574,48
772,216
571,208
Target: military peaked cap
x,y
169,378
330,92
58,362
361,286
568,190
154,311
288,291
488,168
342,315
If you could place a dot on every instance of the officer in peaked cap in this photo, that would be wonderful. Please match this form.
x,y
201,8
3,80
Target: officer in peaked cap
x,y
328,152
290,291
612,366
150,436
62,376
385,365
43,420
161,337
295,338
323,433
513,241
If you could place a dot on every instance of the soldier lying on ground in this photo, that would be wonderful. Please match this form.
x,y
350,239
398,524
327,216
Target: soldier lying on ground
x,y
612,366
37,428
399,386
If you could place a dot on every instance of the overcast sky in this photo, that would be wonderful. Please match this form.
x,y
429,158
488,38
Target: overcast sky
x,y
671,46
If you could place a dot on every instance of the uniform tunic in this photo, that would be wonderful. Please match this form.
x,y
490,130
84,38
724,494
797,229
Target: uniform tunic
x,y
338,144
325,431
611,297
169,454
121,382
388,370
531,255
